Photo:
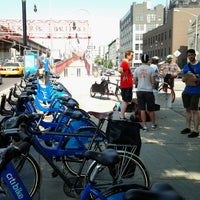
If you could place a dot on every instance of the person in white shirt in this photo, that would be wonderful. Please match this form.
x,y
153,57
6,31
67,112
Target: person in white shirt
x,y
154,65
144,76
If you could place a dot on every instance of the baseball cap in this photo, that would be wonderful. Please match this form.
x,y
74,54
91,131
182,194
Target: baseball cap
x,y
169,57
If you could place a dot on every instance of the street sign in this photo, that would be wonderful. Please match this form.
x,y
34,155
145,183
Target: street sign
x,y
177,53
90,47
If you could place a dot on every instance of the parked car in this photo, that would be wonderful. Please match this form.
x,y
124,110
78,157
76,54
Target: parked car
x,y
12,68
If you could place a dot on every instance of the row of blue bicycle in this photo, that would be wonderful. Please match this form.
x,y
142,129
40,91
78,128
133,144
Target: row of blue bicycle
x,y
46,119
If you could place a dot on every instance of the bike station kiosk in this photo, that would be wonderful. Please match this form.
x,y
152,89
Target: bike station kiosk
x,y
30,62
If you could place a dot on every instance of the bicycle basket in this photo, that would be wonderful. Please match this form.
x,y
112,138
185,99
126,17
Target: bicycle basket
x,y
125,136
124,133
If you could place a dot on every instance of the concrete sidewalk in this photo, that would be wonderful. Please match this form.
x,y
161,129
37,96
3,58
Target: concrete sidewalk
x,y
169,156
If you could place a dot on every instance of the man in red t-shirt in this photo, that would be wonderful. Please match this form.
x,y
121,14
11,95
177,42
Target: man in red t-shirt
x,y
126,82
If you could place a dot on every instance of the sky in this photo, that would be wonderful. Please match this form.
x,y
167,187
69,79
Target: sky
x,y
103,15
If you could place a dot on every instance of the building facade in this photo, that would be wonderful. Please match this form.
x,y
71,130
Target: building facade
x,y
113,52
137,21
173,37
184,3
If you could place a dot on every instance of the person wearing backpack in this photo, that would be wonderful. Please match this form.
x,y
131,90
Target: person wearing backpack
x,y
191,93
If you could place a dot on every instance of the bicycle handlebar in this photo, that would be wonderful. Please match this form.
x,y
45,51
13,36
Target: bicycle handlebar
x,y
13,152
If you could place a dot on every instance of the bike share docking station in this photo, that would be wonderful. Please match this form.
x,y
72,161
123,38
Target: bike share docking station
x,y
30,62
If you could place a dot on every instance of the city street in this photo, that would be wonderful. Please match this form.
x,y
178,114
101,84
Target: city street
x,y
169,156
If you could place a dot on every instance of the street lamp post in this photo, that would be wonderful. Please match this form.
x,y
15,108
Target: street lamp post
x,y
196,25
24,23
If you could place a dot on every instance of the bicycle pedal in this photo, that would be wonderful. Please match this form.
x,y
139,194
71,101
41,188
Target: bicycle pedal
x,y
49,144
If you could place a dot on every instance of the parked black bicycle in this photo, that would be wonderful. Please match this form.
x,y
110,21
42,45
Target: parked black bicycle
x,y
106,87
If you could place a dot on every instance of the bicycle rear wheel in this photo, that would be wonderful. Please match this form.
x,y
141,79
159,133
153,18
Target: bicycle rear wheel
x,y
74,163
91,139
29,172
130,169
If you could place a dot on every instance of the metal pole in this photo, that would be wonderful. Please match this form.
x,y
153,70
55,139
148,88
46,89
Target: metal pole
x,y
24,23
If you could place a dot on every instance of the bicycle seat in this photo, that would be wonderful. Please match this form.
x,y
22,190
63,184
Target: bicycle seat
x,y
70,105
101,115
65,98
158,191
107,157
73,115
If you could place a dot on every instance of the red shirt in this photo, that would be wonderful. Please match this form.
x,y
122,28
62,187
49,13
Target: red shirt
x,y
129,81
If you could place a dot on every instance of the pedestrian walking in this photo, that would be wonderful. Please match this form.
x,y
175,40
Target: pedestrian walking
x,y
169,71
144,76
191,93
126,82
47,68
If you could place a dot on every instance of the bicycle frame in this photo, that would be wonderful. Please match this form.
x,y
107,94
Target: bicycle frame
x,y
14,183
89,189
56,151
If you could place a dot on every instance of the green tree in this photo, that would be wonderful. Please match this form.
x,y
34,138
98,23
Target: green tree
x,y
98,60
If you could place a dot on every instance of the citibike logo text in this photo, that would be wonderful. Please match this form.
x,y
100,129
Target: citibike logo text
x,y
15,186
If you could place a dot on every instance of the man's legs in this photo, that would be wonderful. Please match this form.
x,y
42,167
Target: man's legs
x,y
126,98
188,118
46,77
152,117
143,118
123,109
196,120
190,102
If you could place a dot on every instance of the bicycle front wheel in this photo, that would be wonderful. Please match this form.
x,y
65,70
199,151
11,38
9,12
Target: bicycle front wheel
x,y
92,93
73,164
28,171
170,91
130,169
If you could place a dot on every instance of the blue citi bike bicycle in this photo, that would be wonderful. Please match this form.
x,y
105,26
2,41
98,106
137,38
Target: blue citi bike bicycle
x,y
72,185
109,157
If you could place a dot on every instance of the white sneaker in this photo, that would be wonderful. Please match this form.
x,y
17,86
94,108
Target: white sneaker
x,y
145,128
153,127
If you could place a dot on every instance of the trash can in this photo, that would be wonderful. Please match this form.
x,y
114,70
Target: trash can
x,y
163,99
